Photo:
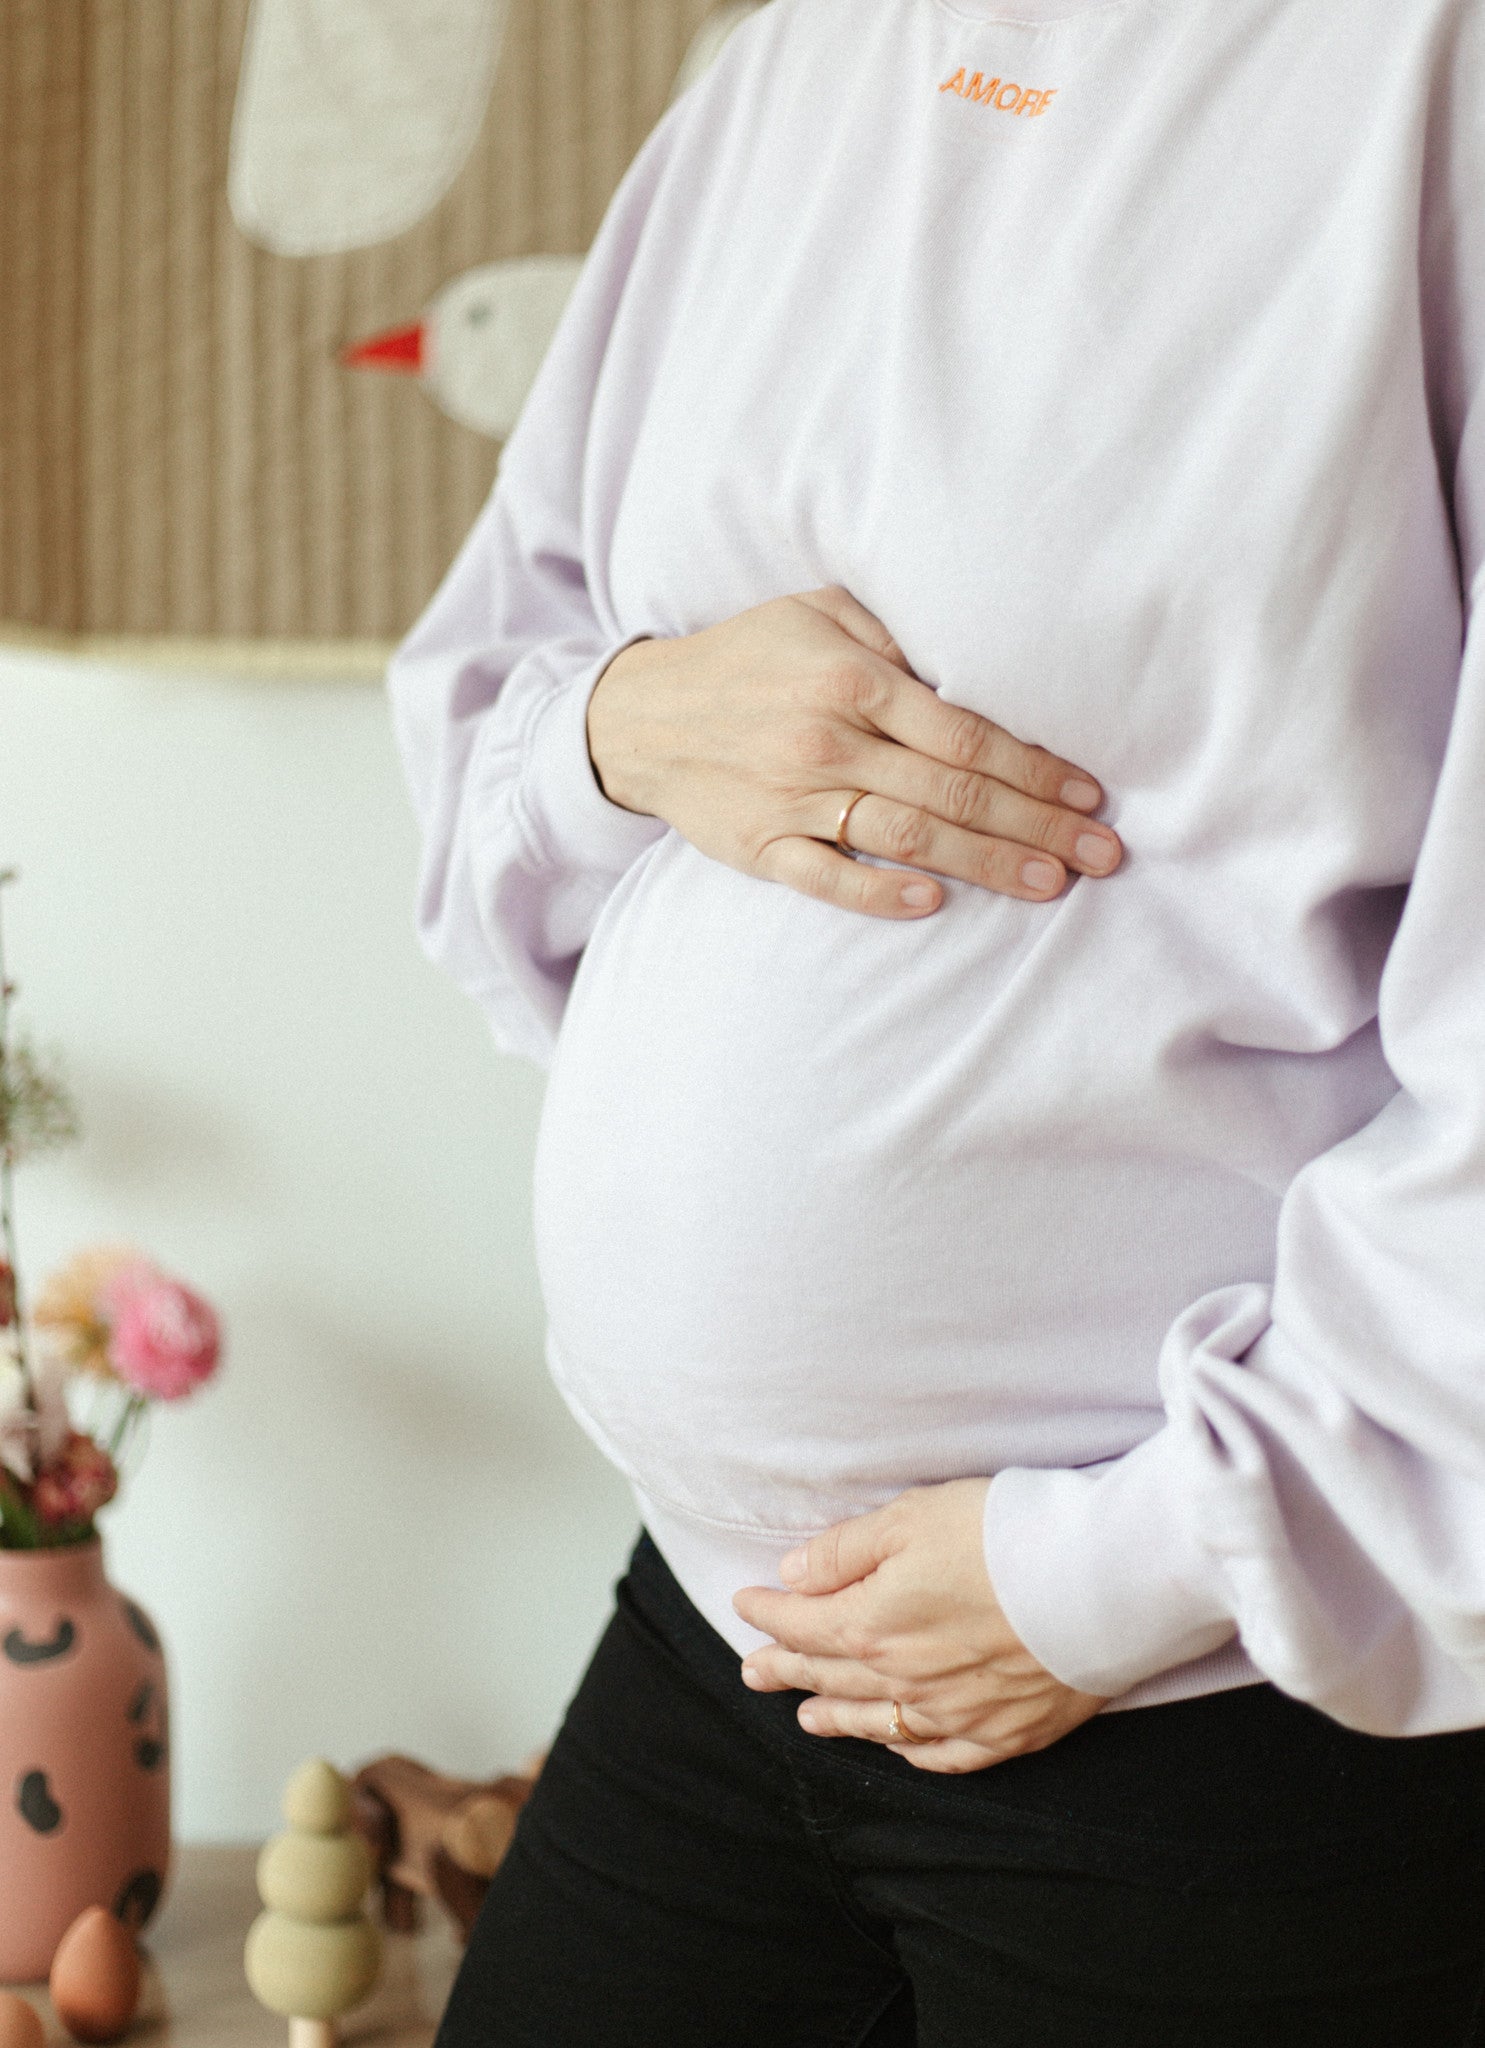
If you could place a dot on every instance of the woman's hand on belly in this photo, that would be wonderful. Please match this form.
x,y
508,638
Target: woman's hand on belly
x,y
898,1606
750,737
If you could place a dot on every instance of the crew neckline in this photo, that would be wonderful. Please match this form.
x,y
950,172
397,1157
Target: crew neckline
x,y
1024,13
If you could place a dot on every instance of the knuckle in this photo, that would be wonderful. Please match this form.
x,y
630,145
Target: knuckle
x,y
1010,760
841,684
1039,773
1043,830
815,876
961,795
997,867
858,1642
905,835
807,873
819,744
763,853
823,869
862,886
964,738
912,1664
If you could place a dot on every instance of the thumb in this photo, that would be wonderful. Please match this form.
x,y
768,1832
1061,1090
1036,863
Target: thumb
x,y
839,1556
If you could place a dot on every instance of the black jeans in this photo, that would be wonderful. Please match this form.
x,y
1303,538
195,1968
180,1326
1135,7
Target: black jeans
x,y
694,1871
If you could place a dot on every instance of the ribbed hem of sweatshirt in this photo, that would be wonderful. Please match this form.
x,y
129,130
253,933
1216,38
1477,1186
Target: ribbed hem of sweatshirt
x,y
577,824
712,1564
1100,1573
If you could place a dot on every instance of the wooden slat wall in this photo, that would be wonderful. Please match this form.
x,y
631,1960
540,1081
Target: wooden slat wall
x,y
180,453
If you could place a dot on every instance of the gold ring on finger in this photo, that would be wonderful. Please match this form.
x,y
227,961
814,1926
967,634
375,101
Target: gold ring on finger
x,y
844,820
897,1728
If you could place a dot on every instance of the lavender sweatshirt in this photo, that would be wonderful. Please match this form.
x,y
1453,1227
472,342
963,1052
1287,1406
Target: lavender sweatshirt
x,y
1126,360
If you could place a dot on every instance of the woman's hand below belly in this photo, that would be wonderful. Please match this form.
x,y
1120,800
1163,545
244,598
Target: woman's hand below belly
x,y
893,1622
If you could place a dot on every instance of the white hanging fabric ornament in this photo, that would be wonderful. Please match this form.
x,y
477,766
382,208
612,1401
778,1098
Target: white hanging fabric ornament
x,y
354,117
478,345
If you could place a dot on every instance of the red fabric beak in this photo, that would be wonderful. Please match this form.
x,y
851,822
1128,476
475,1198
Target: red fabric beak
x,y
401,349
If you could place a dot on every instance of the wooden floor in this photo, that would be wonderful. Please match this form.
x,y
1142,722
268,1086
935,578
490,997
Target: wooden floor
x,y
195,1995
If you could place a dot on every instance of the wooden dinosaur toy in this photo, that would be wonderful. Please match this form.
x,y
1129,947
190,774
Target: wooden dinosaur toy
x,y
435,1837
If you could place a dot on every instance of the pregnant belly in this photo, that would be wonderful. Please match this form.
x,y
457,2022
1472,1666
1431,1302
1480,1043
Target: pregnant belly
x,y
819,1217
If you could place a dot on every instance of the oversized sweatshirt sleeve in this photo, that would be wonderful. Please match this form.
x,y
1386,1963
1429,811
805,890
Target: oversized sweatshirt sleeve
x,y
1318,1485
490,690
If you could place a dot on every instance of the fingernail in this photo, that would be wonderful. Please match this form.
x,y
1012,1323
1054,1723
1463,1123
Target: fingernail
x,y
809,1720
1079,795
918,895
752,1678
1095,851
792,1569
1040,875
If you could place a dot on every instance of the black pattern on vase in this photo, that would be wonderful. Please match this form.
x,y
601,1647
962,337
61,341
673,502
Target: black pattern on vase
x,y
141,1624
137,1899
35,1803
21,1650
150,1748
84,1815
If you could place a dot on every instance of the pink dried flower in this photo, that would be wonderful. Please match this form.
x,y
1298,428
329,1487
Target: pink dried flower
x,y
163,1340
76,1485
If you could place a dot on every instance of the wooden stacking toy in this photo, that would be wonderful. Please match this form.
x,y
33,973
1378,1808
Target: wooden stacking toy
x,y
313,1954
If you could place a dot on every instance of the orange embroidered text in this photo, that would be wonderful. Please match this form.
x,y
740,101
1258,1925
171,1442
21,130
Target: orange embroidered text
x,y
1005,97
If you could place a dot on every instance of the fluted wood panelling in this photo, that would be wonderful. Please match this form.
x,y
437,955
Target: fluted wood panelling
x,y
181,455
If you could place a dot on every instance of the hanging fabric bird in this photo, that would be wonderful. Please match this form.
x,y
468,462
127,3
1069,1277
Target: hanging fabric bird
x,y
353,119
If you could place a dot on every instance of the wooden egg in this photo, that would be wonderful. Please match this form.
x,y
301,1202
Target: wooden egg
x,y
95,1977
20,2023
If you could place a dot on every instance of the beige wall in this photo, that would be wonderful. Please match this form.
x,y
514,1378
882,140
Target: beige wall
x,y
380,1528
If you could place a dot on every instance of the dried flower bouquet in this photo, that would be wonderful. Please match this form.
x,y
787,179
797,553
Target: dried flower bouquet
x,y
109,1323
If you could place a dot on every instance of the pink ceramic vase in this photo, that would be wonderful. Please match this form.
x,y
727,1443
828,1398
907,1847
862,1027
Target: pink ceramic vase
x,y
84,1754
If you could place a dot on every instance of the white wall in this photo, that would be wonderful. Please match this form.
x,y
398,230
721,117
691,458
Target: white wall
x,y
379,1528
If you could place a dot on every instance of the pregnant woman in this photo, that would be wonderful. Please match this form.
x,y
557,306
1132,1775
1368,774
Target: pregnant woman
x,y
960,736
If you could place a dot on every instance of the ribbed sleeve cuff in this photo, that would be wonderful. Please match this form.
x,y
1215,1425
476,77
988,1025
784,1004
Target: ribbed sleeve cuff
x,y
1099,1570
580,827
